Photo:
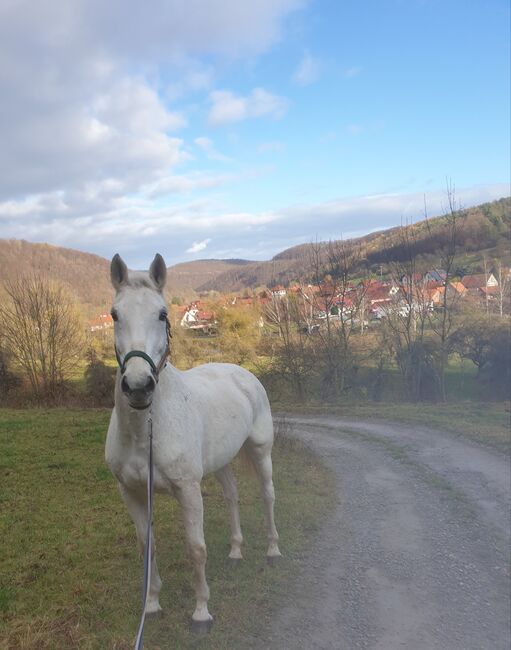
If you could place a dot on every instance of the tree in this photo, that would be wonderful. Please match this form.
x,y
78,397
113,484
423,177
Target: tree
x,y
238,333
99,380
488,346
442,323
291,354
43,332
341,304
405,318
503,277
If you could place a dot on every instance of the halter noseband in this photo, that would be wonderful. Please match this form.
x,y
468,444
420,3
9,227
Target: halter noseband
x,y
155,369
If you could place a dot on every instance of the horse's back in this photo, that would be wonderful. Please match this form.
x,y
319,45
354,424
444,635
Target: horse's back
x,y
234,406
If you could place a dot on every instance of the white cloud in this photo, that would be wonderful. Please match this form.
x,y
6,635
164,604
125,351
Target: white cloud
x,y
85,84
100,221
227,107
307,71
196,247
184,183
207,146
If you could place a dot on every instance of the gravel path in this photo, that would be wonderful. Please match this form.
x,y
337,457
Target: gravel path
x,y
414,555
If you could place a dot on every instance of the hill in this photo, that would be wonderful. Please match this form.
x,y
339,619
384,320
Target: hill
x,y
186,277
85,275
484,230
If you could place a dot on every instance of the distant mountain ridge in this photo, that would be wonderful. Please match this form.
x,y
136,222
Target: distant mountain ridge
x,y
484,227
187,276
87,276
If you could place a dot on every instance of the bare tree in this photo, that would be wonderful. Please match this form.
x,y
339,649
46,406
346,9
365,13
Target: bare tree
x,y
503,276
43,332
340,304
407,314
292,353
442,322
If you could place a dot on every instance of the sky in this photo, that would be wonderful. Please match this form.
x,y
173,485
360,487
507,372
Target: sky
x,y
227,129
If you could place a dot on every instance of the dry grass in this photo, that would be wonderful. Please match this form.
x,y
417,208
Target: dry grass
x,y
70,569
485,422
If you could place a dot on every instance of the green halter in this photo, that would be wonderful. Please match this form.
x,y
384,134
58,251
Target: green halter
x,y
155,369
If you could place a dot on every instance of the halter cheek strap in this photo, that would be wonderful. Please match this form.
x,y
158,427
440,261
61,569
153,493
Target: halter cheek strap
x,y
155,369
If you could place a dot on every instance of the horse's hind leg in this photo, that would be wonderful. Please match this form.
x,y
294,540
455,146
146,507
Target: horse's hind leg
x,y
261,457
228,482
136,503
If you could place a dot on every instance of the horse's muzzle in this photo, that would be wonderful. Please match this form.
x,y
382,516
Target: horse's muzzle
x,y
139,398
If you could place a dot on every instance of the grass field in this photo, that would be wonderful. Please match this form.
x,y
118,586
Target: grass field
x,y
70,575
486,422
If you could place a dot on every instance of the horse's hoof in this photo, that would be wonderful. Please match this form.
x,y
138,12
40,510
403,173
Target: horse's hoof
x,y
158,613
233,562
272,560
201,627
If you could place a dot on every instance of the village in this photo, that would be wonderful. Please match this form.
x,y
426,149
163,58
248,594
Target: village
x,y
366,302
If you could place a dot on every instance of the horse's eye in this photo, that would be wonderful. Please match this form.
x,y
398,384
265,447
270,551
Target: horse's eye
x,y
163,315
114,315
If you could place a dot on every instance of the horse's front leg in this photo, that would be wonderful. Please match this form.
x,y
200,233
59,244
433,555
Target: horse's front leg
x,y
190,498
136,503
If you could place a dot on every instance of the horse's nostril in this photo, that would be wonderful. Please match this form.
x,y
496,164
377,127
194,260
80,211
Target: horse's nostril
x,y
125,386
150,384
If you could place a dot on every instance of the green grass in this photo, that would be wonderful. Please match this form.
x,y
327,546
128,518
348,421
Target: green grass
x,y
486,422
71,573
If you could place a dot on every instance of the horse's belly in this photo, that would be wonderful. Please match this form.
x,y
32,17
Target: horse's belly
x,y
221,445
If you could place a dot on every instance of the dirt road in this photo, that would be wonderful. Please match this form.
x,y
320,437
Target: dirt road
x,y
415,553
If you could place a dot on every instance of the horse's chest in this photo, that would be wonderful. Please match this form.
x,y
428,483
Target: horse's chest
x,y
132,472
131,469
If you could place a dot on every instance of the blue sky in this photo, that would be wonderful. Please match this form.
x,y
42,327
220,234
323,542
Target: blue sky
x,y
235,130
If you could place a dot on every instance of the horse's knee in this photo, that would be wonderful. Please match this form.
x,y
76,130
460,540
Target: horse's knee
x,y
268,492
198,553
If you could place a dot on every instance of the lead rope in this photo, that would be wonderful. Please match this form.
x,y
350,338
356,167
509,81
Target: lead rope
x,y
139,644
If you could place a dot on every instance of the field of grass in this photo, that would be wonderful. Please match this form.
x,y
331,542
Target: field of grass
x,y
71,574
486,422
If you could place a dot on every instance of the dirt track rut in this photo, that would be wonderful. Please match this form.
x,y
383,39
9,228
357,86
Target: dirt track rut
x,y
415,552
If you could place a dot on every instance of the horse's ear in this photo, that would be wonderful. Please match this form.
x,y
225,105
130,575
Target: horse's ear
x,y
118,272
158,271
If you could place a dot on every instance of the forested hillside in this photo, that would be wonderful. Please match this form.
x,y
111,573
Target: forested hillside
x,y
483,231
85,275
187,276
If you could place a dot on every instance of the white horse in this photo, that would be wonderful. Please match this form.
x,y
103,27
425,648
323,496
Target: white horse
x,y
201,419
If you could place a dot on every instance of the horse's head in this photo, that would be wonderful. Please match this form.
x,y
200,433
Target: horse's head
x,y
140,324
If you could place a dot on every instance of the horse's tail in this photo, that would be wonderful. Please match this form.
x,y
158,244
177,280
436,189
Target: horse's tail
x,y
246,461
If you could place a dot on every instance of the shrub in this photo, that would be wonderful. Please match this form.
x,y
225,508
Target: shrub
x,y
99,381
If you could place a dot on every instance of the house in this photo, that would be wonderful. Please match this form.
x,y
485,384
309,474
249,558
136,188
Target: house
x,y
378,293
488,293
432,295
413,279
198,319
479,280
278,291
435,275
459,287
243,301
101,322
